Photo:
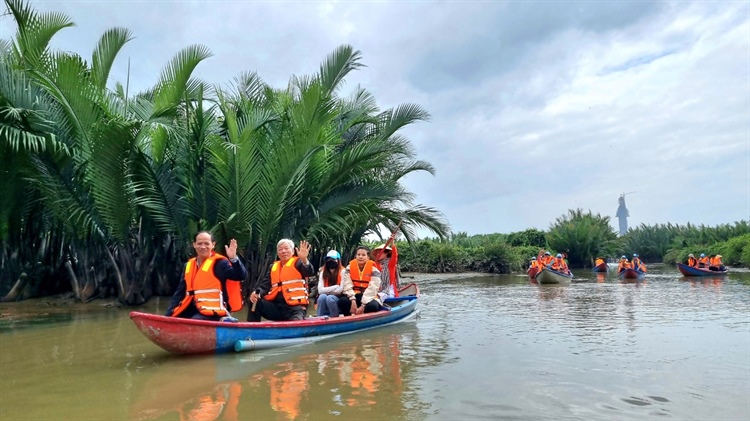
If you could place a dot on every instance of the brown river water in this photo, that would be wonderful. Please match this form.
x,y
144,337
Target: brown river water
x,y
483,347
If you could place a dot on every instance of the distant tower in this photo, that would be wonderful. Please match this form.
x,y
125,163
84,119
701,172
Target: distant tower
x,y
622,214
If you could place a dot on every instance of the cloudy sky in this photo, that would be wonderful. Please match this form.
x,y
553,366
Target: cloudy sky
x,y
537,107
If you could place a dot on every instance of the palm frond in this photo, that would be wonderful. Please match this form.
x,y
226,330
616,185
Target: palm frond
x,y
110,44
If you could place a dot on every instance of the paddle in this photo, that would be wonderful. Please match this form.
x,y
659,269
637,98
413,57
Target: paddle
x,y
257,292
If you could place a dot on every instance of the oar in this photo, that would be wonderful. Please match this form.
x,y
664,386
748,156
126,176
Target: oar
x,y
257,292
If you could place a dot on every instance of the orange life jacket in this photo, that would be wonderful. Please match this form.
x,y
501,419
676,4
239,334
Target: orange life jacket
x,y
638,265
205,290
598,262
624,264
703,261
693,262
716,261
360,279
559,264
287,279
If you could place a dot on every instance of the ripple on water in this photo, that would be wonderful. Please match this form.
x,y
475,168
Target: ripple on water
x,y
585,350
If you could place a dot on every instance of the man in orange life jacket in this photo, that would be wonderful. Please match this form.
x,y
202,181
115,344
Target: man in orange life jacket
x,y
283,293
210,286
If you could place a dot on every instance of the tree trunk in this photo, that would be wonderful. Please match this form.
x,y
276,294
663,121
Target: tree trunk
x,y
73,280
15,293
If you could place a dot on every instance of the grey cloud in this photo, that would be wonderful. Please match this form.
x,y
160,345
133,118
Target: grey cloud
x,y
496,37
513,137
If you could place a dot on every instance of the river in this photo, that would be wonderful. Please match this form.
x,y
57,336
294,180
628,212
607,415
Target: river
x,y
487,347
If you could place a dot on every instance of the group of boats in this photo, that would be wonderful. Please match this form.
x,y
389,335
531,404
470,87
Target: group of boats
x,y
546,275
189,336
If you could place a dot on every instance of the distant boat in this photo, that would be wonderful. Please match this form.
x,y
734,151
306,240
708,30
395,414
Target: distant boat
x,y
549,276
601,267
693,271
631,273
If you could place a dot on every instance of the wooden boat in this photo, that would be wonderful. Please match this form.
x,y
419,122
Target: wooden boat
x,y
188,336
549,276
532,272
631,273
693,271
601,267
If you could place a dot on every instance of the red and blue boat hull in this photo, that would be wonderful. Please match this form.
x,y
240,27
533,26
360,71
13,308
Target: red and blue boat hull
x,y
188,336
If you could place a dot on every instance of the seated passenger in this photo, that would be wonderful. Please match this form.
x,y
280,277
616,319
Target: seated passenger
x,y
330,288
282,294
624,264
559,264
637,264
716,263
598,261
361,282
210,285
533,264
547,258
692,261
703,261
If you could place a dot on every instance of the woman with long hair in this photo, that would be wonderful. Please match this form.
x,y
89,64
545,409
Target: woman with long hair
x,y
330,288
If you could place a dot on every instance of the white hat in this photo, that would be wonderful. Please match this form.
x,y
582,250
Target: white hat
x,y
382,246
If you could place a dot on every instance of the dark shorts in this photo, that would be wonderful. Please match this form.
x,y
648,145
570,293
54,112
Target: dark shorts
x,y
276,311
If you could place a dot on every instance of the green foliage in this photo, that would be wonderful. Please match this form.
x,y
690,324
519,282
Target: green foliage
x,y
583,236
495,258
126,181
432,256
745,257
733,251
530,237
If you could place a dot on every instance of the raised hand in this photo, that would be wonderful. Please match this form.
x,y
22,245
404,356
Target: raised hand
x,y
303,250
231,249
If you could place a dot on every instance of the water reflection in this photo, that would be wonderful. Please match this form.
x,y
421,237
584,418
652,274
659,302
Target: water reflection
x,y
496,347
282,384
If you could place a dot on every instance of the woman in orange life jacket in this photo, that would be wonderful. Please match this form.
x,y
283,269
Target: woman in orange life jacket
x,y
210,286
637,264
558,264
624,264
330,288
703,261
282,294
692,261
361,282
